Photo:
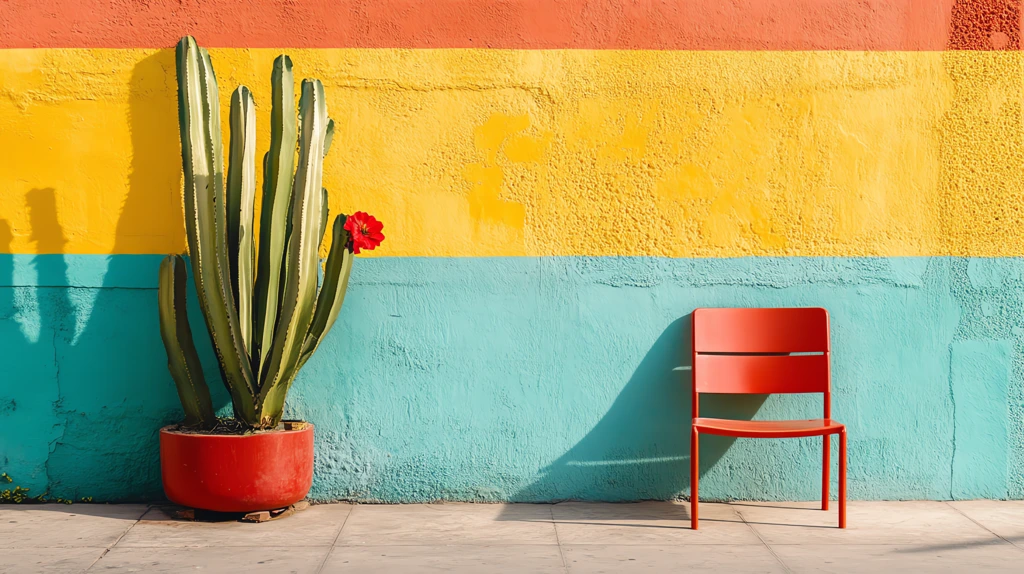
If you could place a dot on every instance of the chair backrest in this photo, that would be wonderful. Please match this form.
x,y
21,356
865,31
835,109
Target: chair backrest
x,y
749,351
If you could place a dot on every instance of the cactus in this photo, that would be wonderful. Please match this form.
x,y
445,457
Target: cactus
x,y
264,310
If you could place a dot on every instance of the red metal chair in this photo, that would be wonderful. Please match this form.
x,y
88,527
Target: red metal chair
x,y
748,351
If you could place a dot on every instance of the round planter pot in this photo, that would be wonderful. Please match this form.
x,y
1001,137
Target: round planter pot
x,y
237,473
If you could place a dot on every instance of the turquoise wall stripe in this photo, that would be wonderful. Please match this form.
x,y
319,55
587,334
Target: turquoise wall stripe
x,y
539,378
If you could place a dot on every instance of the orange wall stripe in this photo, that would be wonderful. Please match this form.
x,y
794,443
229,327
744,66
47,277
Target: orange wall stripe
x,y
517,24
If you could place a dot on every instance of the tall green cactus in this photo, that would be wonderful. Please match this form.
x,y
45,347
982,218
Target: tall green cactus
x,y
263,309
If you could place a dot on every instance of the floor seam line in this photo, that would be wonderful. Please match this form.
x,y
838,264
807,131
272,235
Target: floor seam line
x,y
558,541
119,538
434,543
982,526
330,549
202,546
778,558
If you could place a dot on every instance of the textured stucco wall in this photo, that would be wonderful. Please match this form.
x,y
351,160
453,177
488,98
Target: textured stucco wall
x,y
483,152
521,24
557,199
546,378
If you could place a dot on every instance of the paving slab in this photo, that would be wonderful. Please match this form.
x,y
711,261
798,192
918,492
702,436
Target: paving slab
x,y
911,522
222,560
649,523
610,558
318,525
454,558
1003,517
48,560
427,524
66,525
974,558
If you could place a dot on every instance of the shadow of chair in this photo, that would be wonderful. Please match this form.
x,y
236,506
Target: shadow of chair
x,y
639,449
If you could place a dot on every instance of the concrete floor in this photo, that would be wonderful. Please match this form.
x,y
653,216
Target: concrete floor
x,y
975,536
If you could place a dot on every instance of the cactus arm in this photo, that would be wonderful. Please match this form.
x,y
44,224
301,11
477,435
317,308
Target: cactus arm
x,y
299,291
328,305
332,294
182,359
329,138
206,225
241,200
277,198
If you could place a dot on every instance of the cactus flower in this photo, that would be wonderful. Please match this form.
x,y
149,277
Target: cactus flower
x,y
365,231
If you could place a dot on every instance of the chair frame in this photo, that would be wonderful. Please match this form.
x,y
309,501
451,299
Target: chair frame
x,y
759,350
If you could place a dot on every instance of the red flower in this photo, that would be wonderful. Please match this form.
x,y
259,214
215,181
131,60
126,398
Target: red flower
x,y
365,231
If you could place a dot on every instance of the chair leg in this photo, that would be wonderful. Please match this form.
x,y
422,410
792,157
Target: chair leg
x,y
827,444
842,479
694,476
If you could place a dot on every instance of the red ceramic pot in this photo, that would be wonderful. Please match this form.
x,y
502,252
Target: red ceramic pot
x,y
237,473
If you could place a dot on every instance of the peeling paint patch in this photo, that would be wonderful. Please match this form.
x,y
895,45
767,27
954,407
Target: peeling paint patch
x,y
980,380
986,273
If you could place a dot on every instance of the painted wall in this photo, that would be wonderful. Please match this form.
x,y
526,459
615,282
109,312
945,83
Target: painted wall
x,y
561,186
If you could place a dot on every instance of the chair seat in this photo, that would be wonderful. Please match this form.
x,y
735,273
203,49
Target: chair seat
x,y
767,429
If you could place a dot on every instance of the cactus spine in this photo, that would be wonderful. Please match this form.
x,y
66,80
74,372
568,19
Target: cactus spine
x,y
263,325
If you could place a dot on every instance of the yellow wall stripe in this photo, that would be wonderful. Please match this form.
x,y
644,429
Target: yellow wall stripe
x,y
506,152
